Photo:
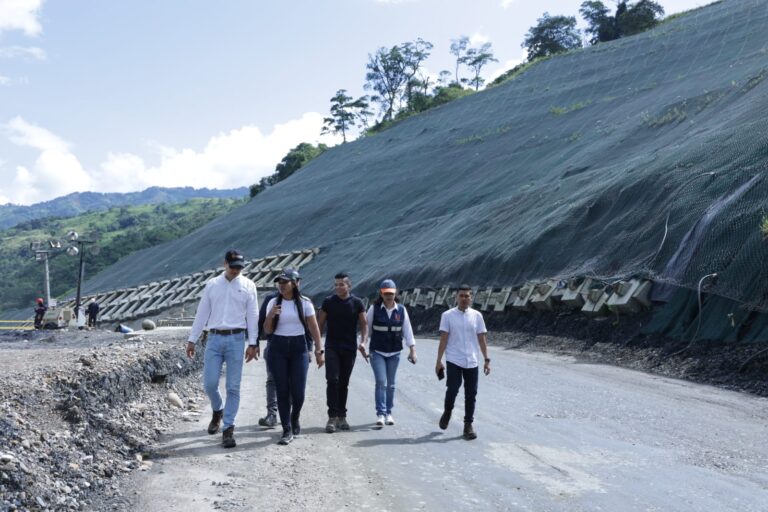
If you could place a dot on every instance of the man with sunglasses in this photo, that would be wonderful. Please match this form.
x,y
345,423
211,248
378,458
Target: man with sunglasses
x,y
462,336
229,309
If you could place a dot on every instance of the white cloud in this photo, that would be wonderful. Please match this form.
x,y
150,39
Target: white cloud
x,y
236,158
56,171
478,39
10,52
507,3
4,80
20,15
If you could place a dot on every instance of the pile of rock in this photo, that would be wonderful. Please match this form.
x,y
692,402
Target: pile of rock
x,y
70,428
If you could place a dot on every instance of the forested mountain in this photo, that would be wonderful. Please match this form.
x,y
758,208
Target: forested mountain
x,y
115,233
81,202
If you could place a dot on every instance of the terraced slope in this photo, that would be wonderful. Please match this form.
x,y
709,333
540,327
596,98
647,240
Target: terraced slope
x,y
569,169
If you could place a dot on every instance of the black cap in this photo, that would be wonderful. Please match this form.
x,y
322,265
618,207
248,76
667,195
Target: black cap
x,y
288,274
234,259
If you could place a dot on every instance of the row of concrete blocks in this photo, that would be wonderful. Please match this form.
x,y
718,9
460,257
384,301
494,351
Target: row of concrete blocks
x,y
152,298
591,296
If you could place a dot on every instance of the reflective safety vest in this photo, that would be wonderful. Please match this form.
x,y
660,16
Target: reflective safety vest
x,y
387,332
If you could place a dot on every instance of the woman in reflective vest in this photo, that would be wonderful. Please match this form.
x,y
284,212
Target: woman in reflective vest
x,y
388,327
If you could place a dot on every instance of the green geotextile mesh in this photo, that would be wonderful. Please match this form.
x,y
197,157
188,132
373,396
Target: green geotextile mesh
x,y
571,169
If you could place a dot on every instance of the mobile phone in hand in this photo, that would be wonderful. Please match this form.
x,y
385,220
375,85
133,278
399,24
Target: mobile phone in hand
x,y
411,360
441,374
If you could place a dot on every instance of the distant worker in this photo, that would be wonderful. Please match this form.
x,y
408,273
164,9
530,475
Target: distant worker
x,y
93,312
40,310
388,326
289,316
270,420
462,333
345,314
230,311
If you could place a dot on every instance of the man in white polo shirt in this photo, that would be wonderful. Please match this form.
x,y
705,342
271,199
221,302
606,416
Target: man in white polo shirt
x,y
462,336
230,310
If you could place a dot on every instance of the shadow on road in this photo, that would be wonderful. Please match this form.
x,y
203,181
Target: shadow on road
x,y
432,437
211,445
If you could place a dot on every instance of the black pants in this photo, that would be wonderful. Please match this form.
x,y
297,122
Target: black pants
x,y
339,363
455,375
288,362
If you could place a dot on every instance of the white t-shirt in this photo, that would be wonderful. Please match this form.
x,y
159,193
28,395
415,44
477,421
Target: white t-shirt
x,y
289,323
462,327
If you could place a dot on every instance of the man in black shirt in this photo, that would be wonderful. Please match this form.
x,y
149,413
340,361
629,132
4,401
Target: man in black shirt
x,y
344,314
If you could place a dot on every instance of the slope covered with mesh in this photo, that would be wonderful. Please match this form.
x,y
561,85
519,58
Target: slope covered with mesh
x,y
573,168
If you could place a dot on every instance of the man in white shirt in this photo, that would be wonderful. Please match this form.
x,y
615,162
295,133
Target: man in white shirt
x,y
462,336
229,308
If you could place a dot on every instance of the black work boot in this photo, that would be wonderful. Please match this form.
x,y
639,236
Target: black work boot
x,y
269,421
469,432
444,419
228,438
215,423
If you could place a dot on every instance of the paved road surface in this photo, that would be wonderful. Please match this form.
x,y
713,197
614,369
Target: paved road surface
x,y
554,435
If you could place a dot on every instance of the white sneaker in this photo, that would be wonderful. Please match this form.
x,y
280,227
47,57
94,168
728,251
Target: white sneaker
x,y
380,420
390,420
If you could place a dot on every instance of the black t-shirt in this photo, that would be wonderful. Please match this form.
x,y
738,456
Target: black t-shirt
x,y
341,318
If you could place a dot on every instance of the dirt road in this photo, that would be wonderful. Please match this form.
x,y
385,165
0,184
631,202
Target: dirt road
x,y
553,435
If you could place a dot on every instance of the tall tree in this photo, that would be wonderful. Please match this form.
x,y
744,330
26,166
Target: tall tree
x,y
344,114
551,35
600,24
638,17
476,59
390,71
628,20
414,53
458,49
386,75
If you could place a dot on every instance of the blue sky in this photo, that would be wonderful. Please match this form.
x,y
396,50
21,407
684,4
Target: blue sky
x,y
116,96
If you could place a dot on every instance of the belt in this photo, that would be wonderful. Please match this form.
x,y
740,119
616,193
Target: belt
x,y
226,332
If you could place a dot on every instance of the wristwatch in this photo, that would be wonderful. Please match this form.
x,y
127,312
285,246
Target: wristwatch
x,y
487,359
321,352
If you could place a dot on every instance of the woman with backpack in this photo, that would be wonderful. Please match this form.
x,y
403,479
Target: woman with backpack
x,y
388,326
289,316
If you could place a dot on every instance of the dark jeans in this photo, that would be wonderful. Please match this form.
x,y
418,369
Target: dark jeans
x,y
339,363
288,362
453,383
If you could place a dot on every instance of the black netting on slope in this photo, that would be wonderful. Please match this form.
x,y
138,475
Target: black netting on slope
x,y
571,169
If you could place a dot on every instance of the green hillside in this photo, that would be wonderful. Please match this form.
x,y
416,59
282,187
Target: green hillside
x,y
119,231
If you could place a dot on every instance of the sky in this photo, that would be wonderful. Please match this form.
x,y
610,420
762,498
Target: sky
x,y
118,96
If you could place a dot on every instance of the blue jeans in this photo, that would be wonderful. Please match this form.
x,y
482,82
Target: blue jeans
x,y
384,371
219,350
288,362
271,389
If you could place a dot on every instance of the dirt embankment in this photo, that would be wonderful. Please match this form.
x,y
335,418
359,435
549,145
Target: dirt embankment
x,y
619,341
79,408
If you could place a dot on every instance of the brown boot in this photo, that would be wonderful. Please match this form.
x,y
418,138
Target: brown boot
x,y
228,438
215,423
469,432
